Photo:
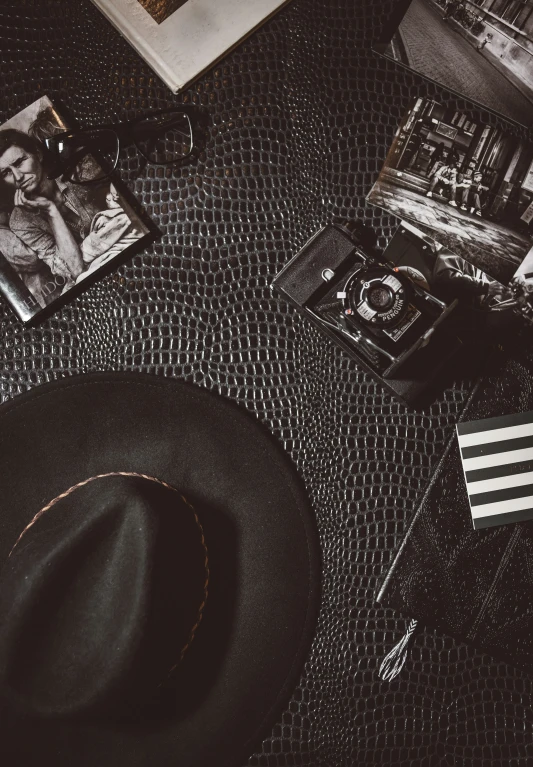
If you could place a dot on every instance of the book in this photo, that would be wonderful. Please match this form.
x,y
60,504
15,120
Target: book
x,y
181,39
497,458
56,236
472,584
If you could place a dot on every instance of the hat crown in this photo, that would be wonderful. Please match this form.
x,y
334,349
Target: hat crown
x,y
100,597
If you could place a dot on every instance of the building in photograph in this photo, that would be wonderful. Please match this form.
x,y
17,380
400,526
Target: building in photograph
x,y
503,33
482,49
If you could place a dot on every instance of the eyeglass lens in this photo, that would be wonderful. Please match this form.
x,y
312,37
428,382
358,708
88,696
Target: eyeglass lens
x,y
89,155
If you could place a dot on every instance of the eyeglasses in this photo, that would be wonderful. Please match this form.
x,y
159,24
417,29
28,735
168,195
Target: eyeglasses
x,y
90,155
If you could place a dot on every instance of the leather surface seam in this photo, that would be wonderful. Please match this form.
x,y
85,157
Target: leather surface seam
x,y
511,545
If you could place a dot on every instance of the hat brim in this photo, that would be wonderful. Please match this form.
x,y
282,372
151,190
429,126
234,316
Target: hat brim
x,y
263,551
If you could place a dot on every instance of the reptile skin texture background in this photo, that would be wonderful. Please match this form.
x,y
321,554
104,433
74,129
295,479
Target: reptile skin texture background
x,y
300,117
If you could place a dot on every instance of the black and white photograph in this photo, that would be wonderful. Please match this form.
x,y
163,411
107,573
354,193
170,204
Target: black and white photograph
x,y
467,184
486,304
439,270
481,49
53,232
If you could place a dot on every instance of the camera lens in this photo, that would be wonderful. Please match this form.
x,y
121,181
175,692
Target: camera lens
x,y
380,298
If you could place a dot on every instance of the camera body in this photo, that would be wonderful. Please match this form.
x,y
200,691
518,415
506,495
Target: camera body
x,y
375,311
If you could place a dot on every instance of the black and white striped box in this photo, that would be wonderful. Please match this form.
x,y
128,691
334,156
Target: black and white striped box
x,y
497,456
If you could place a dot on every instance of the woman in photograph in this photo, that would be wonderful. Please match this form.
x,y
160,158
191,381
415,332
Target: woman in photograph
x,y
50,216
33,272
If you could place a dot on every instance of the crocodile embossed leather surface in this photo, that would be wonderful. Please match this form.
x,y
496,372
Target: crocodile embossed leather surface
x,y
300,119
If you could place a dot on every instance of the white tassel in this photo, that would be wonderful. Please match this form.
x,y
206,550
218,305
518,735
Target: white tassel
x,y
394,661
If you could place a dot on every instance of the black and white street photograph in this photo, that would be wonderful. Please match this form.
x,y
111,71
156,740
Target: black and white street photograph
x,y
54,232
439,270
467,184
481,49
487,306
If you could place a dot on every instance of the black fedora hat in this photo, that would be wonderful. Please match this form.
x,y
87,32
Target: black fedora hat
x,y
160,576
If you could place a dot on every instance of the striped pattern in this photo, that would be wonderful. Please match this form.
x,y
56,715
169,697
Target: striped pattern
x,y
497,456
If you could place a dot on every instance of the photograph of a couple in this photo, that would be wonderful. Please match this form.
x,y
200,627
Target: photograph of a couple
x,y
465,183
53,233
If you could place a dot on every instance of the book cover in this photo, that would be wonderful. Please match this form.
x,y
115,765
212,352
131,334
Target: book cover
x,y
54,234
181,39
497,457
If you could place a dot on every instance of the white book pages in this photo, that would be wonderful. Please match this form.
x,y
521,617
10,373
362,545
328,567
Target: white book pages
x,y
192,38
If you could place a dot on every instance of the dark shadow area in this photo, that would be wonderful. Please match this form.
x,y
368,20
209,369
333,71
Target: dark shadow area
x,y
188,686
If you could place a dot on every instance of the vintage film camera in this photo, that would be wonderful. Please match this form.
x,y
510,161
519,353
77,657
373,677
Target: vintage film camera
x,y
384,319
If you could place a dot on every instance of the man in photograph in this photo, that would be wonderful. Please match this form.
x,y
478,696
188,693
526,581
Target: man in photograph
x,y
51,217
472,194
445,177
462,182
